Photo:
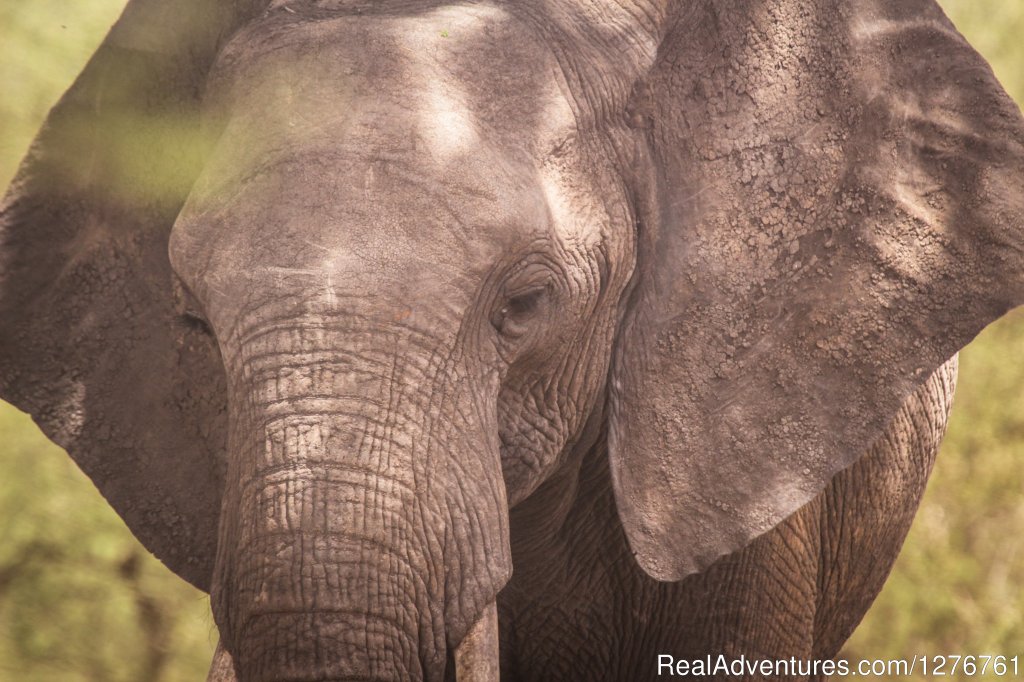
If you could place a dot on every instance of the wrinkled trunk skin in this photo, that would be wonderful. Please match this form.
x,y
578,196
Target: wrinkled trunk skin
x,y
345,551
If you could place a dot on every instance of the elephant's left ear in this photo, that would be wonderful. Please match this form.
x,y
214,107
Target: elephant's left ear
x,y
839,208
92,342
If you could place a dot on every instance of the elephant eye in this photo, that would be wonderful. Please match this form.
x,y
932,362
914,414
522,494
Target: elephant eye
x,y
188,308
513,318
196,321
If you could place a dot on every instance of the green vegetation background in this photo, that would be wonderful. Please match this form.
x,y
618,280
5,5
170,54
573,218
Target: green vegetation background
x,y
81,600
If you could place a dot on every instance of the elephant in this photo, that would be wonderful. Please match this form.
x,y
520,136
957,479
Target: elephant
x,y
536,339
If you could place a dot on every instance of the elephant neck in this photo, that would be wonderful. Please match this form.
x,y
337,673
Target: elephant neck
x,y
562,517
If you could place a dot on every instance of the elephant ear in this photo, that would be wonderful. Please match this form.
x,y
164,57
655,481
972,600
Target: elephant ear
x,y
92,341
838,209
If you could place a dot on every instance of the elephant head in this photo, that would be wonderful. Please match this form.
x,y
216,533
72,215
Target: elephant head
x,y
315,291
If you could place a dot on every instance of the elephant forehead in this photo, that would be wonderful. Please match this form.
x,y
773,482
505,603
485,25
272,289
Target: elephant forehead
x,y
446,77
359,219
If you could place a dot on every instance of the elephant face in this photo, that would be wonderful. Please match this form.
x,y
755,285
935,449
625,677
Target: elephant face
x,y
434,195
414,286
315,291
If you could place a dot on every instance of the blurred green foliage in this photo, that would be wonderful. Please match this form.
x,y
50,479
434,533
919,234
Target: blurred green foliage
x,y
43,46
80,599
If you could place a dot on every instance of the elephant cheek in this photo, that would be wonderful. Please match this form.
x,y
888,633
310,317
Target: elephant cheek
x,y
363,531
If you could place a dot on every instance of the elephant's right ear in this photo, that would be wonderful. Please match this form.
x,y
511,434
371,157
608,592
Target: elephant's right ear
x,y
92,342
839,208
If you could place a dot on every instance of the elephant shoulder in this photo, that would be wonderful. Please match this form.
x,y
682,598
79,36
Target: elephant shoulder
x,y
866,511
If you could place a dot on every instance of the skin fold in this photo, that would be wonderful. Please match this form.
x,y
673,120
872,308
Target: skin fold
x,y
637,320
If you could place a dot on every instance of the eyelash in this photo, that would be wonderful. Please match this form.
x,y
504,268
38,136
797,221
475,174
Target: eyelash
x,y
516,310
196,321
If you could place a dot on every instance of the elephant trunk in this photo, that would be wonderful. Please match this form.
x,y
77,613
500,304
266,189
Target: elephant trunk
x,y
330,581
476,657
355,539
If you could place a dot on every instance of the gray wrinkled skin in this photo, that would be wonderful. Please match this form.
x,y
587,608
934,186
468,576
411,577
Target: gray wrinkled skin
x,y
638,318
